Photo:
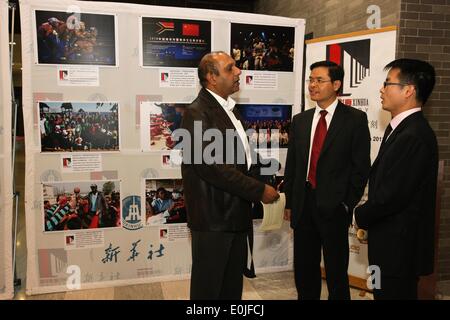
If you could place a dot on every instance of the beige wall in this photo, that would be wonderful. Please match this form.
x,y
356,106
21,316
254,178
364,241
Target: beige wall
x,y
330,17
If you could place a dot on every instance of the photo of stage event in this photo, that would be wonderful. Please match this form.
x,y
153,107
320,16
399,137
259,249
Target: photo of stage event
x,y
164,201
262,47
79,126
81,205
263,118
72,38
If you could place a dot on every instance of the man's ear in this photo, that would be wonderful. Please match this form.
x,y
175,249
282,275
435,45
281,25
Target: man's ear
x,y
337,85
211,78
410,91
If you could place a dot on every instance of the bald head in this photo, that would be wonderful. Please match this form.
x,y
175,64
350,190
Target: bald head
x,y
217,72
208,64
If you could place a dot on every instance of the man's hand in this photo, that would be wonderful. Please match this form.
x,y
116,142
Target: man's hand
x,y
287,214
269,195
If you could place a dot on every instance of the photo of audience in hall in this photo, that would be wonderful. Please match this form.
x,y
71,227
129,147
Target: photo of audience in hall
x,y
164,201
81,205
79,126
264,120
261,47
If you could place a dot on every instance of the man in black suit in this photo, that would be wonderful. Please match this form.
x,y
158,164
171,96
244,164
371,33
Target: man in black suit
x,y
218,189
400,210
327,166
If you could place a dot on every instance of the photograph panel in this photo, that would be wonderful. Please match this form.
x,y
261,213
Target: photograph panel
x,y
262,47
81,205
75,38
164,202
158,122
170,42
79,126
262,118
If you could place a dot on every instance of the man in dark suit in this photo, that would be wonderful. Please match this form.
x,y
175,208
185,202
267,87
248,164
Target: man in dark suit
x,y
327,165
97,206
217,185
399,213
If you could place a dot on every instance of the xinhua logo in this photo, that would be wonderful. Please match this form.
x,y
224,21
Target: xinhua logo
x,y
131,213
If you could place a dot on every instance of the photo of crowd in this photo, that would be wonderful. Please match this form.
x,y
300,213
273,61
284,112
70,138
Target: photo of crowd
x,y
261,47
159,120
81,205
71,38
79,126
264,118
164,201
168,42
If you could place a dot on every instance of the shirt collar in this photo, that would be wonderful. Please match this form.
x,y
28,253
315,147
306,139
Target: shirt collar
x,y
402,116
228,104
330,109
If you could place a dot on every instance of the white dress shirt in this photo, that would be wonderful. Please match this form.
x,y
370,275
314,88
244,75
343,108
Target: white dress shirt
x,y
400,117
228,106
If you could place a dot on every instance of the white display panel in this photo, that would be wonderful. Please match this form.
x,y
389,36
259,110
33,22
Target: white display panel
x,y
6,197
137,251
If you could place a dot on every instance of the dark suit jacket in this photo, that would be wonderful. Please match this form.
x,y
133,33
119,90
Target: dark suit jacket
x,y
218,196
342,168
100,203
399,213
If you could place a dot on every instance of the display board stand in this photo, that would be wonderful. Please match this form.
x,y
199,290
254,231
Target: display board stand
x,y
16,195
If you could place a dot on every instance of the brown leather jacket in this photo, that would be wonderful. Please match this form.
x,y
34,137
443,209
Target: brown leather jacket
x,y
218,196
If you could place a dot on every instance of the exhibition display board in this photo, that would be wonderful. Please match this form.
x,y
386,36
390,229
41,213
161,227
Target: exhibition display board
x,y
6,196
104,87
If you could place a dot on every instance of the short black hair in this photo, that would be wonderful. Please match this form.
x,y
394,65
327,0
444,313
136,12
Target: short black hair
x,y
419,73
160,189
335,71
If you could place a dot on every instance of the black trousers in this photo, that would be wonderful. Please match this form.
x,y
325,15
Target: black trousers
x,y
313,233
392,288
218,263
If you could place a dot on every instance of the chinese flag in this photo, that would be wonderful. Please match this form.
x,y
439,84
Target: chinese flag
x,y
190,29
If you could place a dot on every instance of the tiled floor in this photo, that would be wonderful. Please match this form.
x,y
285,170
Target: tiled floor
x,y
270,286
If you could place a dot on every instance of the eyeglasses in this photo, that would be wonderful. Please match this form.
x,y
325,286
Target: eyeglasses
x,y
385,84
318,81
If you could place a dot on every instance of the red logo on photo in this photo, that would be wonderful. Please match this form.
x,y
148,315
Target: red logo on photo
x,y
164,76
